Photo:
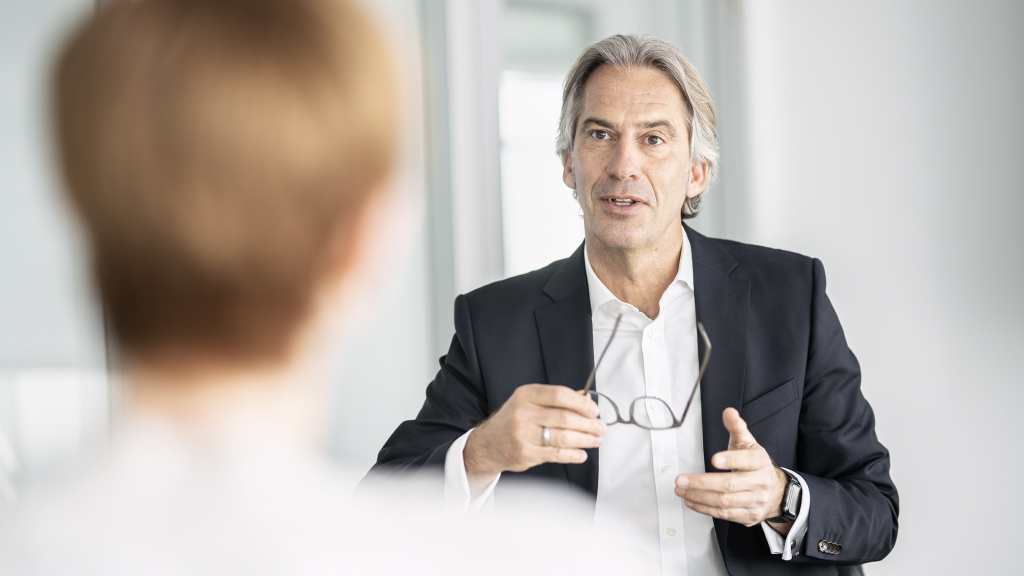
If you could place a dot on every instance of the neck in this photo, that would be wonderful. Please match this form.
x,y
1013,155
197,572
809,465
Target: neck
x,y
638,276
234,408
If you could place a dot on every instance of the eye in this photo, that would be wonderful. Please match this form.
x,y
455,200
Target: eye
x,y
653,140
600,134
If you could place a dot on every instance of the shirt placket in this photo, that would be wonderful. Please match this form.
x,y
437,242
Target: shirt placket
x,y
664,450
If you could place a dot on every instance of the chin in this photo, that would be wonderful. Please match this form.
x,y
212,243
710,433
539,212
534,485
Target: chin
x,y
620,239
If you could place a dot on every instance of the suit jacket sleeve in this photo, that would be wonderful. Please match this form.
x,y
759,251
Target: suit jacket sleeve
x,y
853,500
455,402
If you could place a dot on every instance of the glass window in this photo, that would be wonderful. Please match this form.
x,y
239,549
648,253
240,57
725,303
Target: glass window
x,y
542,222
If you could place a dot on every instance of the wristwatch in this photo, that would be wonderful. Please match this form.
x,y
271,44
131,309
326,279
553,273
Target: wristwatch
x,y
790,501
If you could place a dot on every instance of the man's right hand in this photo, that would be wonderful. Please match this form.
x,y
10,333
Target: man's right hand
x,y
511,439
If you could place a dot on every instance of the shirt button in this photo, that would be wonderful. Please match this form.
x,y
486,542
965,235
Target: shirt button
x,y
664,468
670,531
650,334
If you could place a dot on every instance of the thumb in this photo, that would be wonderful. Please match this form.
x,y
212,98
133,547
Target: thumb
x,y
739,437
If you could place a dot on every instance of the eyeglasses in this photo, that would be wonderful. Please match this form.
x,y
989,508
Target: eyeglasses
x,y
646,411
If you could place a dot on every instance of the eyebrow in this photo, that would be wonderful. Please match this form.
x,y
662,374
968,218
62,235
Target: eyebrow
x,y
645,125
659,124
594,122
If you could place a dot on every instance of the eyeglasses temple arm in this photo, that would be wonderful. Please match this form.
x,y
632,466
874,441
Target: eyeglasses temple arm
x,y
703,367
593,373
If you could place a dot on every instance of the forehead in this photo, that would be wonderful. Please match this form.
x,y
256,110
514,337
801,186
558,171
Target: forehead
x,y
621,95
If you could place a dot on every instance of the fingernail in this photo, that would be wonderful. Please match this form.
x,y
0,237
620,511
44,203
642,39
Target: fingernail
x,y
595,411
719,461
688,503
682,481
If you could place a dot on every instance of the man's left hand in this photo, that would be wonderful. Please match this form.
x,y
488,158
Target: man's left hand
x,y
749,493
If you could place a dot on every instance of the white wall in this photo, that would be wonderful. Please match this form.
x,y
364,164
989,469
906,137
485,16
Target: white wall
x,y
46,317
886,139
53,399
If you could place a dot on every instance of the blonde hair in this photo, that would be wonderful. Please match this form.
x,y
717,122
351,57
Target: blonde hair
x,y
643,51
213,148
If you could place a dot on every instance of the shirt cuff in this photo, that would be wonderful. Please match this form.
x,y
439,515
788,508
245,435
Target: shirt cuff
x,y
458,495
790,545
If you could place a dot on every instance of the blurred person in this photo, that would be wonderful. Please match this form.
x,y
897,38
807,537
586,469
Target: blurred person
x,y
229,160
772,468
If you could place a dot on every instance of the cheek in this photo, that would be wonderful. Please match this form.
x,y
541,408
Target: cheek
x,y
669,181
583,177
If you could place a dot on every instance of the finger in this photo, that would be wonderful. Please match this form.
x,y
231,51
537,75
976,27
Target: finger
x,y
720,482
562,397
740,515
563,455
745,499
571,439
569,420
752,459
739,437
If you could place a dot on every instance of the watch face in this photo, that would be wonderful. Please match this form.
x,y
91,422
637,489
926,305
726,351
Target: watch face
x,y
791,503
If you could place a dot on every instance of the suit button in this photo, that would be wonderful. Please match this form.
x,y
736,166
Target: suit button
x,y
823,546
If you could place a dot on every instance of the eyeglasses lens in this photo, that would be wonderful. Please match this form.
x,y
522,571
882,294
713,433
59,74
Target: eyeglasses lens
x,y
608,413
651,413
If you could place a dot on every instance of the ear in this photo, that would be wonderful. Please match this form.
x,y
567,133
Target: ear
x,y
567,176
698,179
359,240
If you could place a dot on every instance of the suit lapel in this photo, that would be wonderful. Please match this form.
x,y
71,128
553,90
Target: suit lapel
x,y
567,343
722,304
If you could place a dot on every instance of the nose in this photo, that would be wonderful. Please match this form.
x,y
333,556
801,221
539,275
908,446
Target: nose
x,y
625,161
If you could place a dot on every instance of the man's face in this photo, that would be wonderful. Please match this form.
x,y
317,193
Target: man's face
x,y
630,159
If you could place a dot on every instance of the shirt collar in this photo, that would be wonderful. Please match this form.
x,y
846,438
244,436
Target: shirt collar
x,y
600,294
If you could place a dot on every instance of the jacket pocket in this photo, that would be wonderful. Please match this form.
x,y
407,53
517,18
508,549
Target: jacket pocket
x,y
770,402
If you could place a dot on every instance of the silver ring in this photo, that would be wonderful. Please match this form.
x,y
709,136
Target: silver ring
x,y
545,435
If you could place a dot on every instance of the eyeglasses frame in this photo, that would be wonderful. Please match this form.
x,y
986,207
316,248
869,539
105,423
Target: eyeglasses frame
x,y
632,420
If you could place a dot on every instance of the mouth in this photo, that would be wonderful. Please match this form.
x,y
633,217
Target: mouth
x,y
622,205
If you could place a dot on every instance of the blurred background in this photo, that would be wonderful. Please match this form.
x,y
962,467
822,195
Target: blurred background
x,y
883,137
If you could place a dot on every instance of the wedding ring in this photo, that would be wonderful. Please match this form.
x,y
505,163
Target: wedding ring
x,y
545,435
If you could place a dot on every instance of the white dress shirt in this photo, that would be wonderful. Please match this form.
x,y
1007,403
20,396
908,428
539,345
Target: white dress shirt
x,y
636,478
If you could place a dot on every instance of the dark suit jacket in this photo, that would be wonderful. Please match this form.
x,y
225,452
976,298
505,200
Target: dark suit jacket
x,y
780,357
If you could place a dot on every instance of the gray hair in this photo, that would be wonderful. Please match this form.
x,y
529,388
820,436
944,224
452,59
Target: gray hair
x,y
643,51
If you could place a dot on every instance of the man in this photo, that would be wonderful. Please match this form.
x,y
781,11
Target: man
x,y
779,410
